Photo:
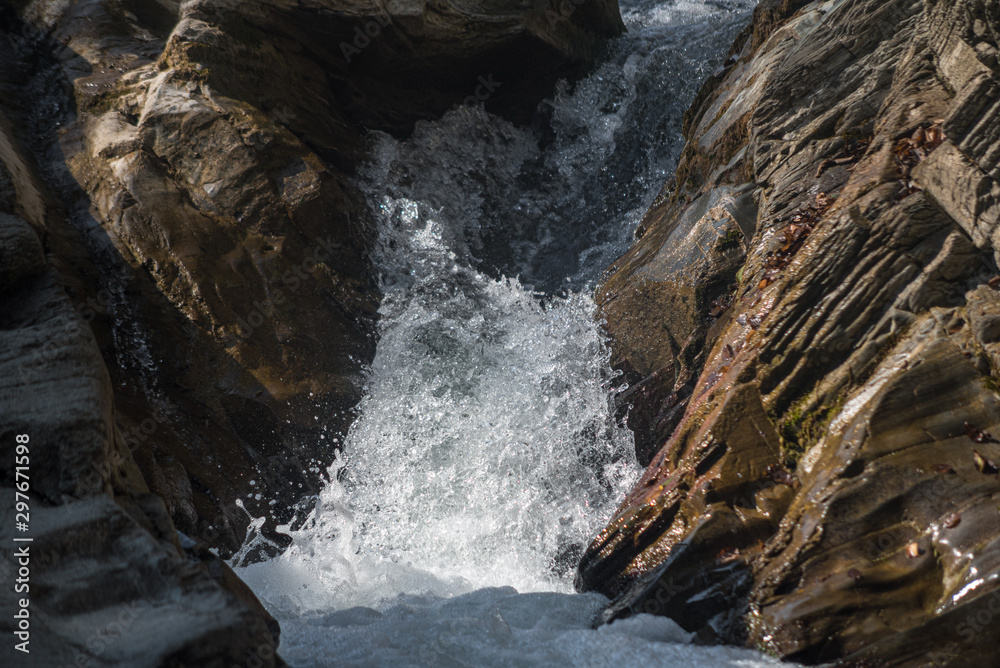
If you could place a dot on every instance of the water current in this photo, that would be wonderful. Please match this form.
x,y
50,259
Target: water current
x,y
486,454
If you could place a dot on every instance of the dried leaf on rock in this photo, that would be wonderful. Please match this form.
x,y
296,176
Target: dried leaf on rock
x,y
984,465
978,435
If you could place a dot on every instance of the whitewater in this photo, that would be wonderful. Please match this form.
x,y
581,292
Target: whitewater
x,y
486,454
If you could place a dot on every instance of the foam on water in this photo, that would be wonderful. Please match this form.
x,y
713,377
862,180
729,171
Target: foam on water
x,y
486,455
484,452
498,627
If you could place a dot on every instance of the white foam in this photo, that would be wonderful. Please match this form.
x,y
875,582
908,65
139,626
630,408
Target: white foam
x,y
497,627
485,455
484,449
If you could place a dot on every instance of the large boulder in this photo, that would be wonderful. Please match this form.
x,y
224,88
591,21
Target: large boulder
x,y
828,487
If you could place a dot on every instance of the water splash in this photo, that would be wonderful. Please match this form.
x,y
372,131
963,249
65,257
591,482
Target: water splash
x,y
485,445
485,452
485,455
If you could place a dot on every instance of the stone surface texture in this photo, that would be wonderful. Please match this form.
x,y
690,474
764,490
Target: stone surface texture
x,y
811,322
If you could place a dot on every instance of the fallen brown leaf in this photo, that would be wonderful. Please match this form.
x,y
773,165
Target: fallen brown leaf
x,y
978,435
984,465
780,475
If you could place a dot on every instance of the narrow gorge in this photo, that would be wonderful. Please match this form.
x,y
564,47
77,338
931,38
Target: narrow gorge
x,y
523,333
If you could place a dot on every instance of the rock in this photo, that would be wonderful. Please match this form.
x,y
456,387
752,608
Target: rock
x,y
105,592
863,319
386,65
54,383
679,275
220,571
103,563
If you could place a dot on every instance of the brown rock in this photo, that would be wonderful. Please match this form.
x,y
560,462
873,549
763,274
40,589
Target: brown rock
x,y
870,343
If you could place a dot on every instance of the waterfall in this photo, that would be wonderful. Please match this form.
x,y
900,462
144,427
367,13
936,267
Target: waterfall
x,y
485,455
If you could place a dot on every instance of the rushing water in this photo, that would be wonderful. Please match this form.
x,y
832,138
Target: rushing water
x,y
485,455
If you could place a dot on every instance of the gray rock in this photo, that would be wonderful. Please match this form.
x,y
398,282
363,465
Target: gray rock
x,y
106,580
103,591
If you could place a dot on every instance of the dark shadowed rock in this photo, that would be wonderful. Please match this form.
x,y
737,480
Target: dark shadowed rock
x,y
106,592
105,568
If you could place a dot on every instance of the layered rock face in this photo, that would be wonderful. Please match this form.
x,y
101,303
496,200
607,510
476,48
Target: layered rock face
x,y
811,316
106,576
187,294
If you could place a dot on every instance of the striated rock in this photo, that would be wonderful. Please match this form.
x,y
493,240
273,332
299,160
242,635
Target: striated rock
x,y
853,515
105,592
103,562
680,276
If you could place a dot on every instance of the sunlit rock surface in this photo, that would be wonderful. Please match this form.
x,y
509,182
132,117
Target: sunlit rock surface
x,y
831,488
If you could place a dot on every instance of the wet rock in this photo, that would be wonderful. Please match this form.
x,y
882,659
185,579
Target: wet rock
x,y
104,565
681,275
864,320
